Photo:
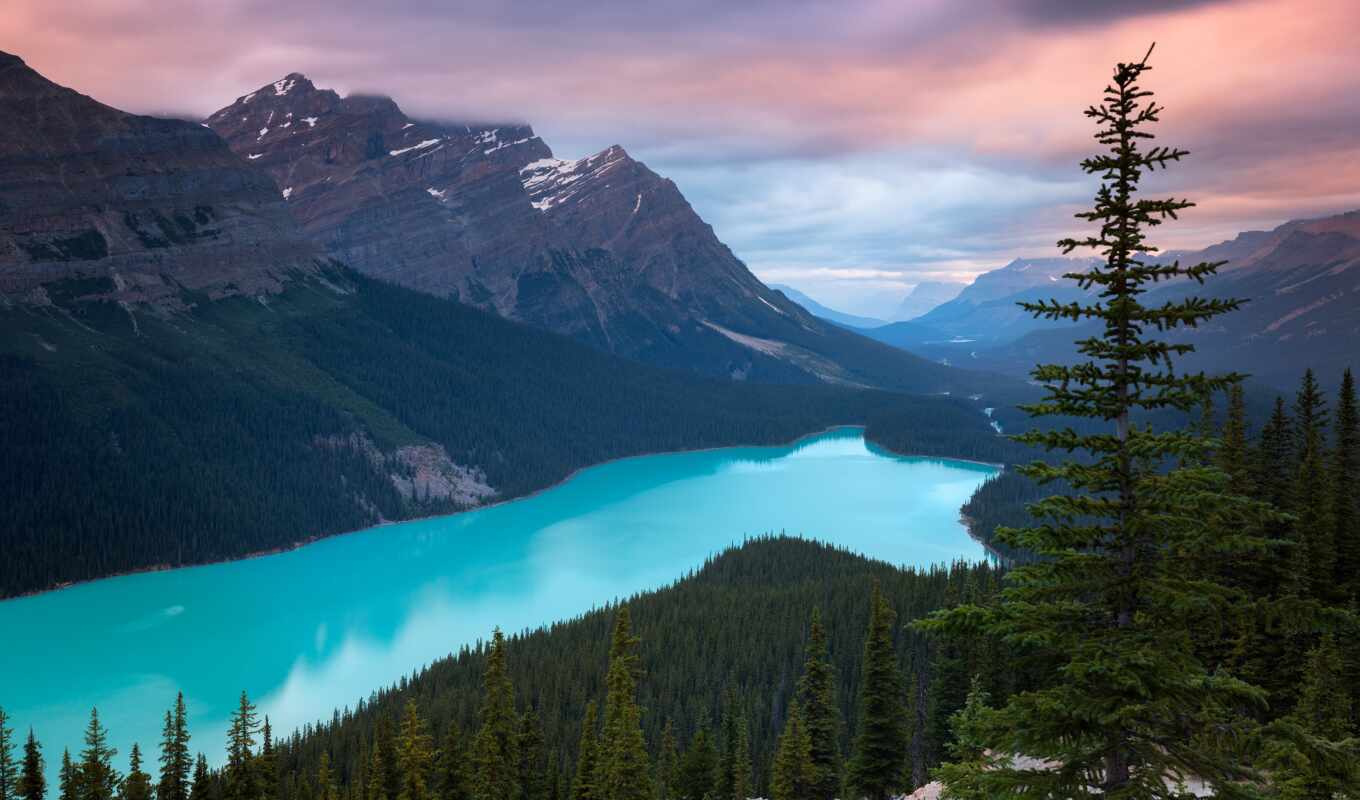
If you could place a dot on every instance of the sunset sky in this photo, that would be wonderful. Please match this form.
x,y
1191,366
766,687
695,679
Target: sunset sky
x,y
850,148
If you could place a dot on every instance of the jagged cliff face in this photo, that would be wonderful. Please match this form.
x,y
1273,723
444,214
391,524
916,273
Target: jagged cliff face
x,y
154,210
601,248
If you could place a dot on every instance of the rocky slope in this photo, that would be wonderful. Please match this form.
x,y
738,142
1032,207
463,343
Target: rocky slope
x,y
1301,281
600,248
155,210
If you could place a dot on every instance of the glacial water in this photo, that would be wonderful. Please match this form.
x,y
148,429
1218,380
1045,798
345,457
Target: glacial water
x,y
319,627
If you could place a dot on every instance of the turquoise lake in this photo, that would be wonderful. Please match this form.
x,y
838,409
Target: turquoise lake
x,y
317,628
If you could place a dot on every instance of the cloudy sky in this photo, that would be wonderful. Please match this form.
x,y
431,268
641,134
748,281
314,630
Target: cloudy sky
x,y
850,148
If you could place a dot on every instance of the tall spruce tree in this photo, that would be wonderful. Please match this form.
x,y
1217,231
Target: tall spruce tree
x,y
202,786
791,773
495,752
325,779
624,771
9,768
1319,757
880,747
415,755
175,759
68,778
1346,499
1110,607
821,714
96,778
968,756
32,783
137,784
743,779
1314,556
584,787
241,778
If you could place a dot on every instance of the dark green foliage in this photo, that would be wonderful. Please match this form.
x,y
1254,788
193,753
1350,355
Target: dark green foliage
x,y
534,766
69,778
698,771
9,768
624,771
202,788
176,760
968,757
791,774
1345,480
242,779
588,757
454,783
741,623
251,416
137,784
32,783
415,756
820,715
876,764
1131,556
667,764
95,777
495,751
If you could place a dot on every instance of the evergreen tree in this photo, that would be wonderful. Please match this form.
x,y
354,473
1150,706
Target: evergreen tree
x,y
9,772
97,779
267,763
68,778
453,768
495,755
1123,698
1345,477
137,784
698,768
792,772
533,759
625,772
821,715
667,764
1318,758
743,781
880,746
32,783
377,787
175,759
325,779
386,769
415,755
583,787
201,788
961,775
241,777
1314,557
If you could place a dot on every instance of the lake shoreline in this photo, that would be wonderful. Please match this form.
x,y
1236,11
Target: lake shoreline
x,y
301,543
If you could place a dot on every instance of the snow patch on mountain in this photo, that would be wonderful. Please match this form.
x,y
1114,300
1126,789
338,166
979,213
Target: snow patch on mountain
x,y
424,144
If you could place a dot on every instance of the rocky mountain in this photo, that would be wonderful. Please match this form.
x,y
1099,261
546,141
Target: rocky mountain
x,y
925,296
1301,281
825,312
600,248
155,211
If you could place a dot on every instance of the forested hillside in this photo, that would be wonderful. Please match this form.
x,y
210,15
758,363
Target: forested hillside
x,y
134,438
719,662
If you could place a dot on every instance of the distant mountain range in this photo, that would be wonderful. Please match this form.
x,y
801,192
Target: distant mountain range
x,y
924,297
830,314
1301,281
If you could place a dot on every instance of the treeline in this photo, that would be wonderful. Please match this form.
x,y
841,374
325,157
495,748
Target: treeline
x,y
141,441
779,666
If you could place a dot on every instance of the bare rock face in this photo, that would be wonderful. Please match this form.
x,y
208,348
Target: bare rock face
x,y
155,210
601,248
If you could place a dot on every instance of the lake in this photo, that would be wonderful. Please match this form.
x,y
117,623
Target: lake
x,y
319,627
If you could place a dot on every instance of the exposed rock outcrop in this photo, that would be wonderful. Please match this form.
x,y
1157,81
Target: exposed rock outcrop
x,y
150,210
